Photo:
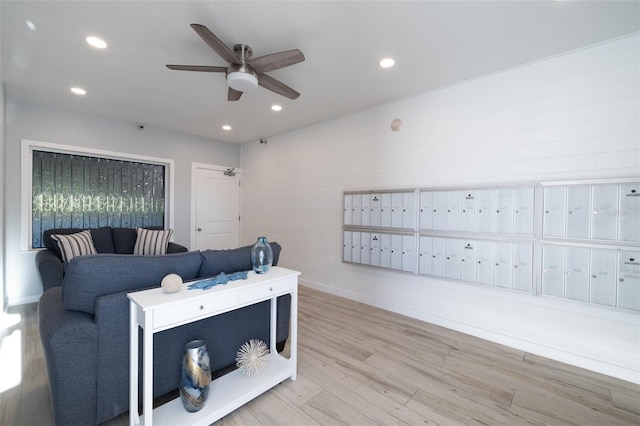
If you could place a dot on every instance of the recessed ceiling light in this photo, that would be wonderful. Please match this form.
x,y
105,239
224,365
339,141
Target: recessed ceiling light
x,y
96,42
387,63
78,91
226,127
276,107
30,24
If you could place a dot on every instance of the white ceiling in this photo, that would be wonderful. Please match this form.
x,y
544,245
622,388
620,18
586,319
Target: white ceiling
x,y
434,43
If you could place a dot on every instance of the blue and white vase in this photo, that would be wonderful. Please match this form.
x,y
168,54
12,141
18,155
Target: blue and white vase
x,y
261,256
196,376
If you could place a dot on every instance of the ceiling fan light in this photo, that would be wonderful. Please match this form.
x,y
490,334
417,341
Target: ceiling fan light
x,y
242,81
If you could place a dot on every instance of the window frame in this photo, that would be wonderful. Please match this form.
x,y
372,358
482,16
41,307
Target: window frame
x,y
26,183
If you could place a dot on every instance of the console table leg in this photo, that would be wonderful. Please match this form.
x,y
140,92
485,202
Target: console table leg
x,y
147,406
293,357
134,416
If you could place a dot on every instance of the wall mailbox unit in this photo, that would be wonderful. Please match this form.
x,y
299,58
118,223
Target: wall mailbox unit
x,y
573,240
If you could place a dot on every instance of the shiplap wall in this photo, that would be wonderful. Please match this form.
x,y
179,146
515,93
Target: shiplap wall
x,y
570,117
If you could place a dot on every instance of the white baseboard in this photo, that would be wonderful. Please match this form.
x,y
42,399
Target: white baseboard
x,y
22,300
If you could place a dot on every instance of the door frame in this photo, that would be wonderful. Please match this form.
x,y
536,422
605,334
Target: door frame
x,y
194,196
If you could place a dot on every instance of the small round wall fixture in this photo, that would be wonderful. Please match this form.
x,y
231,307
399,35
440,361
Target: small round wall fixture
x,y
396,125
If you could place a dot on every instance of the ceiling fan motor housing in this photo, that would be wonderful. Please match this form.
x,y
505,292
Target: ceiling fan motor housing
x,y
242,78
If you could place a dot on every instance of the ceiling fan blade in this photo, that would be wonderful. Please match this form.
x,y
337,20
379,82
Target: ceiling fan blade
x,y
233,94
275,61
216,44
202,68
277,86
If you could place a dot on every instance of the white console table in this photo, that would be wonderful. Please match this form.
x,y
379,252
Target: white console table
x,y
155,311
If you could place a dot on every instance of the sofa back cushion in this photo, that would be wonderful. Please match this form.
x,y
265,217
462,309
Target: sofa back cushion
x,y
231,260
152,242
89,277
101,237
124,239
72,245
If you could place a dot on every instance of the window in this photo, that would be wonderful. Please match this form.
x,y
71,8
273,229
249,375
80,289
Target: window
x,y
69,188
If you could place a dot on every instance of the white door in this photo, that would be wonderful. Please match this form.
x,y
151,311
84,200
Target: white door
x,y
217,207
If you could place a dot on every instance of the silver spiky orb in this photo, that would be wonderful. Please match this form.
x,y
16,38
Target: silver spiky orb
x,y
253,357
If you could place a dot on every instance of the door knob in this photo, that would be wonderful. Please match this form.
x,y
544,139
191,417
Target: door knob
x,y
199,229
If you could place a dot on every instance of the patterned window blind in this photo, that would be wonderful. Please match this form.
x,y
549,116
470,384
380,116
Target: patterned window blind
x,y
76,191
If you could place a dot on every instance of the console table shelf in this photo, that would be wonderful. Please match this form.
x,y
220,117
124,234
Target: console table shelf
x,y
154,311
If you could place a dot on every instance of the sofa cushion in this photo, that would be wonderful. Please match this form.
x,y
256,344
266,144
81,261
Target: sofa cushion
x,y
89,277
102,240
51,244
72,245
231,260
124,239
150,242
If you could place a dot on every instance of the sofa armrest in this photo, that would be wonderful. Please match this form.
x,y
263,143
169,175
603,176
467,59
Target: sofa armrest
x,y
175,248
70,344
50,268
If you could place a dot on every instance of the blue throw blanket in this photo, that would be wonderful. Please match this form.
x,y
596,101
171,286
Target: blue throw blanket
x,y
221,278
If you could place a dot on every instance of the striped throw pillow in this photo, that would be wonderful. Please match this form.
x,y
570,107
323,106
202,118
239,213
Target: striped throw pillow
x,y
151,242
72,245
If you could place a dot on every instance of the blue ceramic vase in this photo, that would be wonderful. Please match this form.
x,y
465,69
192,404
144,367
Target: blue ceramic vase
x,y
196,376
261,256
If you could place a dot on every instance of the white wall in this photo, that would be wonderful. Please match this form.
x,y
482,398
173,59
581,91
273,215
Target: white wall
x,y
28,120
2,191
566,118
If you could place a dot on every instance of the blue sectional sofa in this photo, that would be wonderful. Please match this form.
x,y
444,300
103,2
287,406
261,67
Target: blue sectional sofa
x,y
84,328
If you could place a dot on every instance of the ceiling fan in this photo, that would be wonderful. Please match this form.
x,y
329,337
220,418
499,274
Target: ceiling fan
x,y
243,73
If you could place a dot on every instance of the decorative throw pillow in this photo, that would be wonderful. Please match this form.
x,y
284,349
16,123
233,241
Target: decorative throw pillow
x,y
152,242
72,245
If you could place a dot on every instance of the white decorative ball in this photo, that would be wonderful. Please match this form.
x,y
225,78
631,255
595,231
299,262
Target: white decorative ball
x,y
172,283
253,357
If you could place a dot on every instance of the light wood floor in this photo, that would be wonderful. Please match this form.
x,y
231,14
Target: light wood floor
x,y
360,365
